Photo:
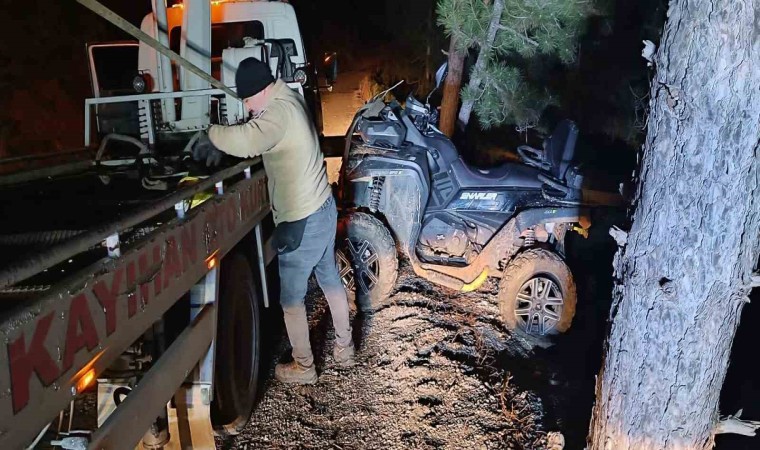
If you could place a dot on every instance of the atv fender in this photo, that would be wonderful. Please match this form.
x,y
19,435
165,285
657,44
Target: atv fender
x,y
393,187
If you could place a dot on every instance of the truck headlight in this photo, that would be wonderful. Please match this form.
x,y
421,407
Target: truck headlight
x,y
300,76
139,84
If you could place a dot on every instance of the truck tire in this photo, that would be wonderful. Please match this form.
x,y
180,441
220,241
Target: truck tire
x,y
236,360
367,261
537,294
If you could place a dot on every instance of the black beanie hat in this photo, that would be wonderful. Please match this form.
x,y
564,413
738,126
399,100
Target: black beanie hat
x,y
252,77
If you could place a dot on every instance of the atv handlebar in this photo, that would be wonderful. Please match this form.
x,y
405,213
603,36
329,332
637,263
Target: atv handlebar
x,y
533,157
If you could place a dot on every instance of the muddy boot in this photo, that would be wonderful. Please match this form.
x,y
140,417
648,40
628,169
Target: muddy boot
x,y
295,373
344,356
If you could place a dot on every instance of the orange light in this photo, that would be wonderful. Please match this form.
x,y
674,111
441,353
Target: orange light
x,y
211,260
86,375
86,380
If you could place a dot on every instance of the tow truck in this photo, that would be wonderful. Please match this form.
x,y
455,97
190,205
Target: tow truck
x,y
134,274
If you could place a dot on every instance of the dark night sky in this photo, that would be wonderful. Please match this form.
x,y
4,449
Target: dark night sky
x,y
44,72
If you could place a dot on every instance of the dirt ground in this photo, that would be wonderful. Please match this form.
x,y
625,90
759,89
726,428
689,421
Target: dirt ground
x,y
436,369
426,378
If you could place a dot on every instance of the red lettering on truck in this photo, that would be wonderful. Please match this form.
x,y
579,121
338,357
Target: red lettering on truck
x,y
144,270
23,361
107,298
169,262
189,239
80,331
172,262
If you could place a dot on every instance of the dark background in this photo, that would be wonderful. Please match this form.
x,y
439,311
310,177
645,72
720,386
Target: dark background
x,y
44,79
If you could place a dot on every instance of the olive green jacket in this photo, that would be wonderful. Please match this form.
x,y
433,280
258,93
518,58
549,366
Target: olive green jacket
x,y
287,141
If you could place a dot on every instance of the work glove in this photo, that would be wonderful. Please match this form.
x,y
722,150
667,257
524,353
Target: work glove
x,y
205,150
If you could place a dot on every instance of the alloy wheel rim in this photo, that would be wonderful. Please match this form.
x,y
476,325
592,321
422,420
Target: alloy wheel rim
x,y
361,267
539,305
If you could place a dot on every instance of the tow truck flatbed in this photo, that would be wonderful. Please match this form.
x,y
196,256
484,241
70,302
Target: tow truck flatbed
x,y
72,306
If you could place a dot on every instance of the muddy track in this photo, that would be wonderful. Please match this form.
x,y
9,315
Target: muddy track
x,y
435,370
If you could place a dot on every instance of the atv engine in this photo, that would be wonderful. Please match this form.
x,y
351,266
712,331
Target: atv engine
x,y
441,239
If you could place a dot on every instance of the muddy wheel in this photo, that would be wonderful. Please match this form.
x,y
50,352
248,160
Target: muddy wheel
x,y
367,262
237,347
537,294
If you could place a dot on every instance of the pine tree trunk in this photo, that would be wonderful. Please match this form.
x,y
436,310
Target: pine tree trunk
x,y
485,52
685,271
451,86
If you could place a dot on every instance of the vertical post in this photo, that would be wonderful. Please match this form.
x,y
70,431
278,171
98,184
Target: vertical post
x,y
87,108
158,435
112,243
262,264
190,416
165,79
195,46
144,105
180,209
205,293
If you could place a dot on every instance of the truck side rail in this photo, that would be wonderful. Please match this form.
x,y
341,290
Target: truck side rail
x,y
57,343
56,254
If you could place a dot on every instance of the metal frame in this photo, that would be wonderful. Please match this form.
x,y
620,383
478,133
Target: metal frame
x,y
80,326
53,255
91,60
88,103
126,425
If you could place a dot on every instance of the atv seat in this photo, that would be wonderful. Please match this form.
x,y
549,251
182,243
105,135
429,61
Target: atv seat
x,y
505,175
485,175
558,152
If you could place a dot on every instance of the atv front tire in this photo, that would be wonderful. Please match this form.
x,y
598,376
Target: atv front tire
x,y
537,294
367,261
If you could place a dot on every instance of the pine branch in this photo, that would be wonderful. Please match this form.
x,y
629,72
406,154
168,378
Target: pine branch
x,y
485,50
520,35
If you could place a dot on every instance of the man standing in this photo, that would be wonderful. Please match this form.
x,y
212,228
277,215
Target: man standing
x,y
281,131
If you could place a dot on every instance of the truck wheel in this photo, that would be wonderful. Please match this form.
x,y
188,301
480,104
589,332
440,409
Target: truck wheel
x,y
366,258
237,347
537,294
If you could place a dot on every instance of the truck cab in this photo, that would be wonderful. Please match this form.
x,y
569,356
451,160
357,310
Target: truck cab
x,y
215,36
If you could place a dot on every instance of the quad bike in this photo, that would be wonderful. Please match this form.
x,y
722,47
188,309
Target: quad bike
x,y
403,184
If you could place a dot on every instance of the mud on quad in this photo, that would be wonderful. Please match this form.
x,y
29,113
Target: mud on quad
x,y
403,183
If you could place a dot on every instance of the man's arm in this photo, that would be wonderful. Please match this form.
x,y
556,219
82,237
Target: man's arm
x,y
253,137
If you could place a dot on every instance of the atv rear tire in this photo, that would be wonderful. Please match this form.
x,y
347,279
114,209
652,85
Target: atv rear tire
x,y
237,347
537,294
367,261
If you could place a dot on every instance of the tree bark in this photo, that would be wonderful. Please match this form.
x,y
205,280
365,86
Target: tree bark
x,y
451,86
686,268
485,52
